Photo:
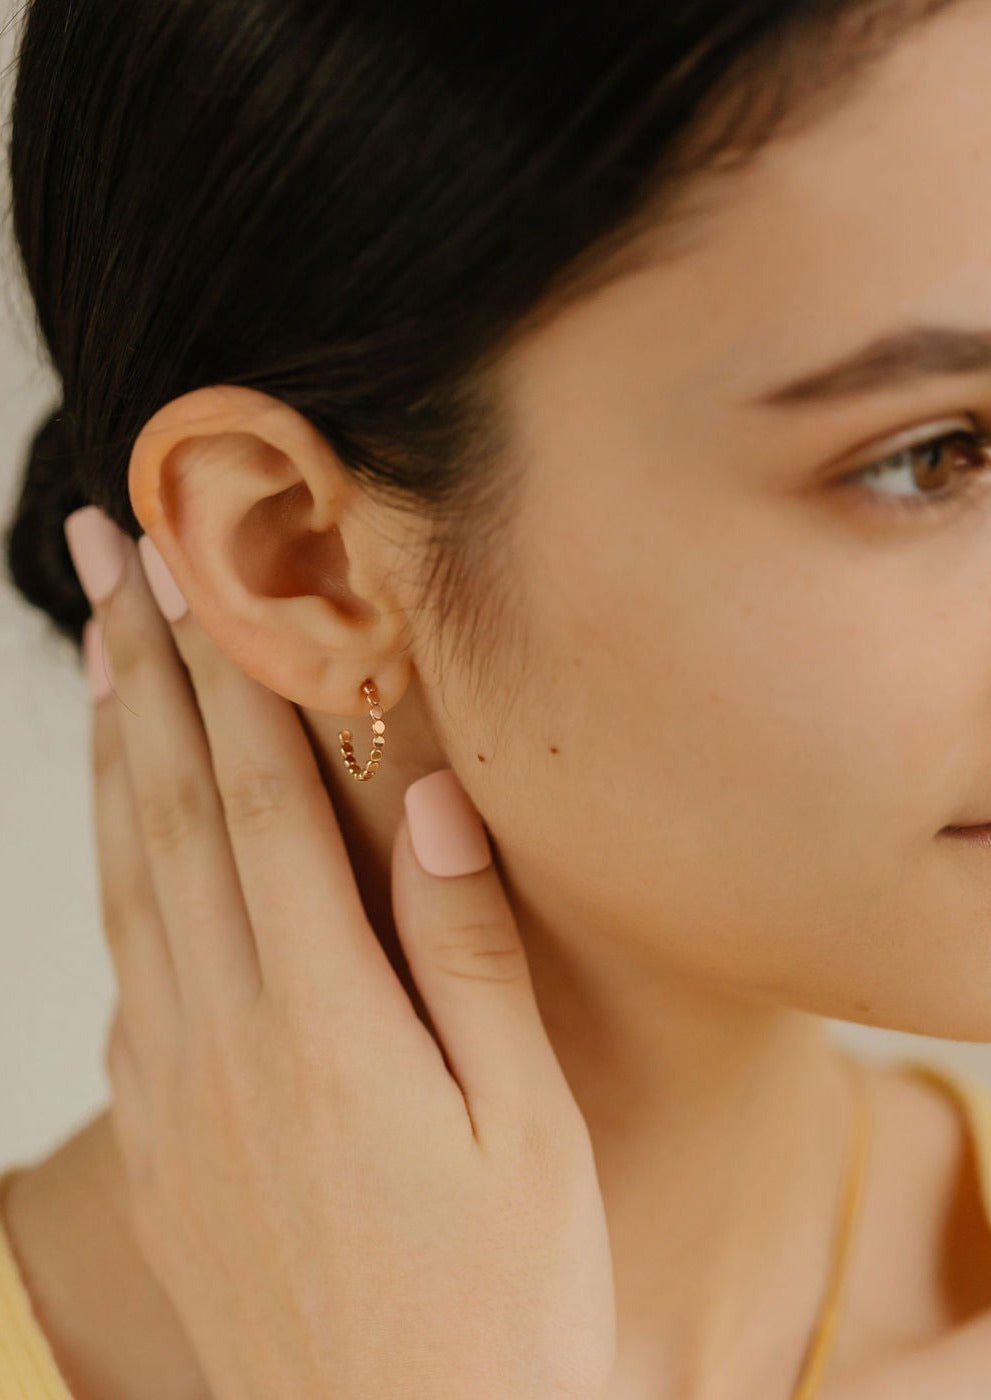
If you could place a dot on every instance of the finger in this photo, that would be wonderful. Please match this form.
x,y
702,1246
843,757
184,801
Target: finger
x,y
464,949
128,1110
180,814
146,981
311,929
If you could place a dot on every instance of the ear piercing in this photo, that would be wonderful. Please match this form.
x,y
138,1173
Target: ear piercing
x,y
362,775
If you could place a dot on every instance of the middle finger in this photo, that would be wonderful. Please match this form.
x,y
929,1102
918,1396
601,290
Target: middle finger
x,y
315,943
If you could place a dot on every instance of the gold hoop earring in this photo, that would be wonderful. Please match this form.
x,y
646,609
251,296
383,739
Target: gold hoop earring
x,y
362,775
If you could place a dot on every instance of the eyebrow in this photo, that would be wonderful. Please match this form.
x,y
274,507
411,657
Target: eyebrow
x,y
887,362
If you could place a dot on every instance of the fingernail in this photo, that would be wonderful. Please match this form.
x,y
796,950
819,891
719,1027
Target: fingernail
x,y
171,602
98,550
448,835
97,666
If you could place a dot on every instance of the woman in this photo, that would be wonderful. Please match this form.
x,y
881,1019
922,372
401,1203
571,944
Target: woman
x,y
611,390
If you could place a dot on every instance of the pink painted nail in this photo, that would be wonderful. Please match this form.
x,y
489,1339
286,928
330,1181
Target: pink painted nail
x,y
97,665
448,835
98,550
161,582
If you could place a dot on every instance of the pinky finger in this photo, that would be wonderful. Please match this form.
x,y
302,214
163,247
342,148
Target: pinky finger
x,y
128,1110
132,924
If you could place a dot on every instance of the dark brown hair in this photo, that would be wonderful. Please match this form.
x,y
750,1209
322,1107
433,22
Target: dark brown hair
x,y
357,209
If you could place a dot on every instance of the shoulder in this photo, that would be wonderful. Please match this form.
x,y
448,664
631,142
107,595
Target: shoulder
x,y
956,1367
28,1365
918,1314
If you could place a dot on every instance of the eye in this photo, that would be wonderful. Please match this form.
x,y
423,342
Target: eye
x,y
930,473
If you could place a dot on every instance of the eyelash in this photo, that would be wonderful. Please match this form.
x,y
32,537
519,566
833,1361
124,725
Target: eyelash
x,y
974,478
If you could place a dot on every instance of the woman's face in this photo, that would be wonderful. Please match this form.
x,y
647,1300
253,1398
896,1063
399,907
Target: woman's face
x,y
751,692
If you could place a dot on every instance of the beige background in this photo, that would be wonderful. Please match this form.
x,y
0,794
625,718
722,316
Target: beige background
x,y
56,984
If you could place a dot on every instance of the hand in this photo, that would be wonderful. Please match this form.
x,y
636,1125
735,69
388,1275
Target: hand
x,y
331,1209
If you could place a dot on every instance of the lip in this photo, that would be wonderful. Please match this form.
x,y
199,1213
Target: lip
x,y
980,835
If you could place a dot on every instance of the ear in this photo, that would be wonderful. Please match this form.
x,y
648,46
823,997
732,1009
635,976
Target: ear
x,y
274,548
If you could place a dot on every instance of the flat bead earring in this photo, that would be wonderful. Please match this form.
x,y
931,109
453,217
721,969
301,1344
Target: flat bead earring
x,y
362,775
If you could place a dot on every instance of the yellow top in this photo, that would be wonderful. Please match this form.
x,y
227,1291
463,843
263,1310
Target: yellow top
x,y
28,1370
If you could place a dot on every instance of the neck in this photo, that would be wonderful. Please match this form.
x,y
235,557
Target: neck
x,y
720,1121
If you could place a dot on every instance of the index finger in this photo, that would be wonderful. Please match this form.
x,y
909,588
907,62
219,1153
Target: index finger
x,y
313,936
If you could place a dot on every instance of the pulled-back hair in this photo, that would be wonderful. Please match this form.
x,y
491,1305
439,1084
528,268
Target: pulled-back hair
x,y
359,208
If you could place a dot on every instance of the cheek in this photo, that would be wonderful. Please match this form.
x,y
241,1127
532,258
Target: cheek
x,y
724,676
806,725
732,753
793,760
748,794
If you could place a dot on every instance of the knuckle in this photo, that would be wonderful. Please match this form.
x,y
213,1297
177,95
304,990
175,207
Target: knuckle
x,y
106,752
538,1142
539,1115
124,906
146,1208
482,951
552,1142
215,1059
114,928
215,1092
315,1064
255,798
126,648
132,1151
173,814
116,1051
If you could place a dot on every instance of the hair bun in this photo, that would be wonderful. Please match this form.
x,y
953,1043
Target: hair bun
x,y
38,559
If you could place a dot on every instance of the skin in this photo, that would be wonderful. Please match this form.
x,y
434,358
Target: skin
x,y
751,703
